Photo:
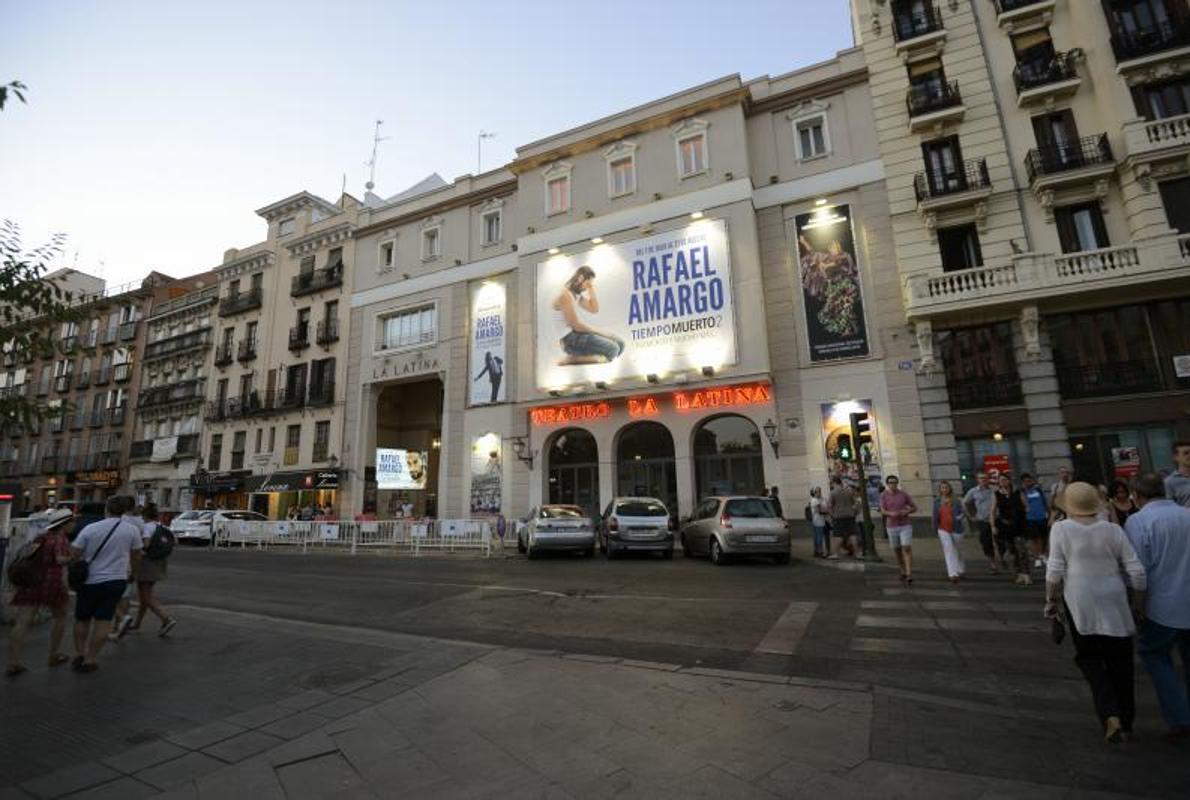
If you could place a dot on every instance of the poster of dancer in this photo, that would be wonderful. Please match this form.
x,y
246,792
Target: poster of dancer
x,y
831,288
488,337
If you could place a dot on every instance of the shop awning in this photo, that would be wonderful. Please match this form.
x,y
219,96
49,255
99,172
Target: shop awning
x,y
298,481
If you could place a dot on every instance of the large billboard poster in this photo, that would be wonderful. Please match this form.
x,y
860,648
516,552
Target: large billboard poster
x,y
648,306
401,469
831,288
836,422
486,492
489,324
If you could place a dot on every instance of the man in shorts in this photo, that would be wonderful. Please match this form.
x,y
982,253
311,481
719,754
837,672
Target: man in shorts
x,y
1037,514
895,507
842,513
111,548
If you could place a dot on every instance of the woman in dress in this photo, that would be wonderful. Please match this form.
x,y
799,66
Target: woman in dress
x,y
583,344
948,521
1093,567
48,592
1121,505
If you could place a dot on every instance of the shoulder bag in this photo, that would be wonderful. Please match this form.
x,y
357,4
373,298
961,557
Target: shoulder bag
x,y
77,571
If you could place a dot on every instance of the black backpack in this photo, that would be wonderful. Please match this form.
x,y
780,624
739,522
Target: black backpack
x,y
25,569
161,544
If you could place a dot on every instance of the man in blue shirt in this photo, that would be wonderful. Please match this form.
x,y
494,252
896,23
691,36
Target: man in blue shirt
x,y
1160,534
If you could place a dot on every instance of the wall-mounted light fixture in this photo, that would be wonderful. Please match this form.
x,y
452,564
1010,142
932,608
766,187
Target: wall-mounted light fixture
x,y
555,392
554,251
770,433
695,215
708,371
652,377
436,443
997,436
520,448
596,240
600,384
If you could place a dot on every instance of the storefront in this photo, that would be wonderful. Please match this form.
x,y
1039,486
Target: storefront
x,y
276,494
220,489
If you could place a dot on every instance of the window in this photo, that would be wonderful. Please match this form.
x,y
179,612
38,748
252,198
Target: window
x,y
245,387
1161,100
980,366
322,440
306,266
334,258
221,391
410,328
491,224
960,248
295,384
621,169
250,333
1034,52
1057,138
692,155
811,139
215,456
431,243
943,165
293,444
558,195
387,255
257,281
233,288
259,438
286,226
1081,227
272,439
1104,352
1175,196
238,445
229,335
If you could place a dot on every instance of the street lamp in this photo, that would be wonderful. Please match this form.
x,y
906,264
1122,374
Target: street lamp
x,y
770,432
520,449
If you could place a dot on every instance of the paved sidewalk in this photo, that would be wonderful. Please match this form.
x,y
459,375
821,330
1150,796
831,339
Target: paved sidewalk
x,y
430,718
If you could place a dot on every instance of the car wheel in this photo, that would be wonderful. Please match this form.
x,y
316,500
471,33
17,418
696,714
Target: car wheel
x,y
686,551
718,558
781,559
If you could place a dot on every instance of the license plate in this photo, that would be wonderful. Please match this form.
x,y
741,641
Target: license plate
x,y
762,539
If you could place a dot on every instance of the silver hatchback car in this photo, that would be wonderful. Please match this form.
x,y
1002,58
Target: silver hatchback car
x,y
721,527
556,527
636,523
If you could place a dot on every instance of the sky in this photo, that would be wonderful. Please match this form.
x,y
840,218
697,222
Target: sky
x,y
153,130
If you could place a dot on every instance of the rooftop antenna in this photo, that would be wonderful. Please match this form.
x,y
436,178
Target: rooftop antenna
x,y
371,164
479,149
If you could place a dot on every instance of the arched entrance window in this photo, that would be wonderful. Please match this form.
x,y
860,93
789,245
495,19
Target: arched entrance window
x,y
573,469
645,464
727,457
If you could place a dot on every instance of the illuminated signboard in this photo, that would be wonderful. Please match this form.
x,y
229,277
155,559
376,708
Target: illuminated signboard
x,y
743,394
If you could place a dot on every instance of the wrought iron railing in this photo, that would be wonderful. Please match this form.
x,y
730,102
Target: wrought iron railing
x,y
241,302
1128,45
1052,159
909,22
933,184
1042,72
1109,378
927,98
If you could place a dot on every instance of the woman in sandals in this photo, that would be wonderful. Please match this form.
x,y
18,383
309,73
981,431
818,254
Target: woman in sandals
x,y
48,592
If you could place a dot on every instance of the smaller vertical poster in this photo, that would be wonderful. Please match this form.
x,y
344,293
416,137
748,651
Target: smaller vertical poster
x,y
836,429
486,480
1125,461
996,464
831,288
489,330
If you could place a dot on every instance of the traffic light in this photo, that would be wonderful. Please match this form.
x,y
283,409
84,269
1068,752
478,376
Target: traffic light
x,y
843,449
861,429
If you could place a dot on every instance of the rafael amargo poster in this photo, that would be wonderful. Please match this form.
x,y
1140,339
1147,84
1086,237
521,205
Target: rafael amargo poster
x,y
489,323
647,306
831,289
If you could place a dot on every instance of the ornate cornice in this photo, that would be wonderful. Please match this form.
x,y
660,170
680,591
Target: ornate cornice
x,y
294,202
315,241
245,265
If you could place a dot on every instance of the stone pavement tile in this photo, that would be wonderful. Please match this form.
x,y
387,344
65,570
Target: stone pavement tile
x,y
204,736
13,793
353,686
71,779
883,779
621,785
325,776
828,740
788,779
748,761
646,756
731,674
413,771
712,782
502,657
122,789
253,779
245,745
295,726
381,690
145,755
179,771
591,659
340,707
306,699
372,742
658,665
315,743
187,791
260,715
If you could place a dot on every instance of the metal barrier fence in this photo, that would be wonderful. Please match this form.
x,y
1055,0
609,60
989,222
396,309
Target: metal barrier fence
x,y
413,536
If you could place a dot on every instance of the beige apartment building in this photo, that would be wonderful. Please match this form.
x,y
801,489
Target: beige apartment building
x,y
1035,154
273,417
685,298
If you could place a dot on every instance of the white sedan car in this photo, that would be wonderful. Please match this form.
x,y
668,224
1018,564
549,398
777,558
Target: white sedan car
x,y
556,527
192,526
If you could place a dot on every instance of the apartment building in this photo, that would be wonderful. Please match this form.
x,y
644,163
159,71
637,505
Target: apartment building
x,y
1035,158
88,377
169,406
685,298
273,416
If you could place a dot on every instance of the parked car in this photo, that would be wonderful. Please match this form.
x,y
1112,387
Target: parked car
x,y
636,523
721,527
193,527
556,527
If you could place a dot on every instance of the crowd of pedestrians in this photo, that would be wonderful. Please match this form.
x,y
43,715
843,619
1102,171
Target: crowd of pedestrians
x,y
101,559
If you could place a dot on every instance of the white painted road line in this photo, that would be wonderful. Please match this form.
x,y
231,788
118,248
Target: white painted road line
x,y
787,631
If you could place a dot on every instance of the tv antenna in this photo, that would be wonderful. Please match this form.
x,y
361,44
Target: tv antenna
x,y
479,149
371,164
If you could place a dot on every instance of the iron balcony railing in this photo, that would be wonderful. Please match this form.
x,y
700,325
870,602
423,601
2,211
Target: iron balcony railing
x,y
299,336
1109,378
322,451
322,393
1042,72
178,344
62,383
97,418
225,354
933,184
1128,45
1052,159
909,22
170,393
1004,6
102,376
128,331
328,331
984,392
121,372
141,451
293,396
930,97
89,339
187,448
316,280
82,379
246,351
243,301
115,416
67,344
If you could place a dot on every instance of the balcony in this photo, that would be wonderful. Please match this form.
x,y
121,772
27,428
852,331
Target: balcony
x,y
82,380
237,459
1045,80
299,337
1010,13
246,351
328,332
1140,48
109,335
937,190
102,377
216,410
89,340
97,418
1036,276
115,416
78,419
67,344
56,424
1083,161
180,391
241,302
62,383
225,354
1158,139
174,345
322,393
141,451
984,392
913,29
187,447
316,280
292,397
1078,381
932,105
127,331
121,373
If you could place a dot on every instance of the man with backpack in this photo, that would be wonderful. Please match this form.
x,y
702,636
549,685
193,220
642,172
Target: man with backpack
x,y
158,545
104,553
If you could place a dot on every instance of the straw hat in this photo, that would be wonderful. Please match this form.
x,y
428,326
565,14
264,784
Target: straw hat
x,y
1081,499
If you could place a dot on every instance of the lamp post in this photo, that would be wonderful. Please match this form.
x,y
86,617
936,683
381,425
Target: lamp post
x,y
770,433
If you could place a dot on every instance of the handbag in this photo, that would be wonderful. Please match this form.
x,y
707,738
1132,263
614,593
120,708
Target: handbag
x,y
78,571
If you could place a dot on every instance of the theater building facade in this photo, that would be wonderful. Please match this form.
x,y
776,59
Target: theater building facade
x,y
683,299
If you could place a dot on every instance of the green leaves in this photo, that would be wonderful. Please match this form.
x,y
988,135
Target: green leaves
x,y
15,88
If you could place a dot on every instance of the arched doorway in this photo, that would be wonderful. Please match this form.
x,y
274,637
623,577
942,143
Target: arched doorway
x,y
728,457
572,465
409,433
645,463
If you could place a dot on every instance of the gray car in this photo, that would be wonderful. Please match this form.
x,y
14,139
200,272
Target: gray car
x,y
721,527
636,523
556,527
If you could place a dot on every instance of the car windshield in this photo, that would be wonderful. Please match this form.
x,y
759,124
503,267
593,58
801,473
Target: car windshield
x,y
641,508
756,507
190,515
561,512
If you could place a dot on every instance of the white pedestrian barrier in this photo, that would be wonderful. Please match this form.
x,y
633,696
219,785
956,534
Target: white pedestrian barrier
x,y
399,535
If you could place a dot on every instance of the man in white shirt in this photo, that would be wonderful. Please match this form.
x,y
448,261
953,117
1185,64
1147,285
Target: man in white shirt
x,y
111,547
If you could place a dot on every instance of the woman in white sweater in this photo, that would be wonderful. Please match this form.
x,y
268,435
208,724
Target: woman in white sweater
x,y
1094,568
